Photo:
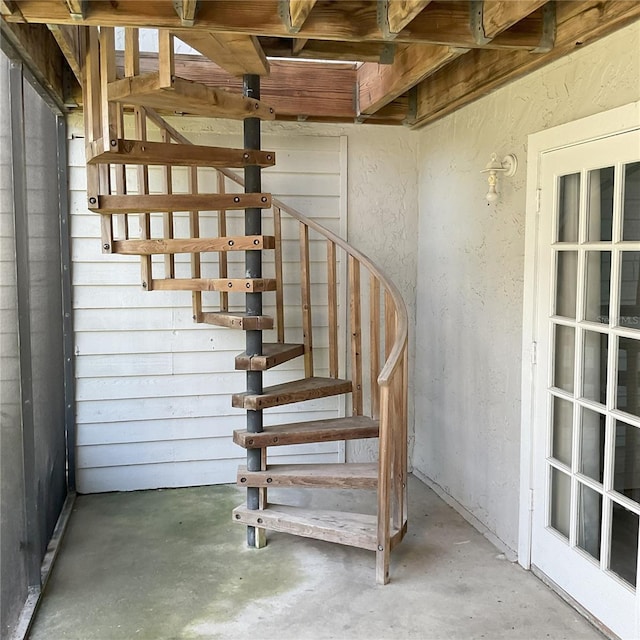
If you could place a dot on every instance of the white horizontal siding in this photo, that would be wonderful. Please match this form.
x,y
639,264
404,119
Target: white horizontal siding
x,y
153,390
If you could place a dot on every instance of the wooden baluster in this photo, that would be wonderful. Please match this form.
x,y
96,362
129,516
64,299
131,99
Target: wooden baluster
x,y
96,174
356,335
143,188
384,472
374,337
305,290
222,255
405,435
332,282
166,62
194,232
167,219
277,230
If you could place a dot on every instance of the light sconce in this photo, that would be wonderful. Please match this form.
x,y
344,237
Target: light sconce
x,y
507,166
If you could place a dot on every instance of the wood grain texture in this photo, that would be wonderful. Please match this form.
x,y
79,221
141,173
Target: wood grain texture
x,y
272,355
380,84
349,428
237,320
305,297
277,229
191,245
177,202
361,475
162,153
355,322
354,529
216,284
332,308
397,14
480,71
186,96
68,39
236,53
298,11
289,392
498,15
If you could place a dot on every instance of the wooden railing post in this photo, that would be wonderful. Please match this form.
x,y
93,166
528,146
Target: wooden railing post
x,y
332,285
222,256
374,338
277,231
305,284
356,335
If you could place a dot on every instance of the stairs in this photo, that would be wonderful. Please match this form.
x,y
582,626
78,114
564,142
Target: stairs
x,y
371,373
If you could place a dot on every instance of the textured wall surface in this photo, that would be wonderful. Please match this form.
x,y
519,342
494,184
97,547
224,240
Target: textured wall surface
x,y
470,274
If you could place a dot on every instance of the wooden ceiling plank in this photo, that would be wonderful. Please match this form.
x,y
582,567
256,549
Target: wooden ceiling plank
x,y
186,10
395,15
68,39
479,72
235,53
441,22
77,9
295,12
378,84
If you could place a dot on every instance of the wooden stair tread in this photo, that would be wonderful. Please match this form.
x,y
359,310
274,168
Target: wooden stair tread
x,y
177,202
358,475
243,285
353,529
289,392
332,429
123,151
273,354
191,245
186,96
237,320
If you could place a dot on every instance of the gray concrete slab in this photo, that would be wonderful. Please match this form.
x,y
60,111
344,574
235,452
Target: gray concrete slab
x,y
170,564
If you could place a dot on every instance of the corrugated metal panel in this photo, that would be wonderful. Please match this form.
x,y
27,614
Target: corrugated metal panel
x,y
154,389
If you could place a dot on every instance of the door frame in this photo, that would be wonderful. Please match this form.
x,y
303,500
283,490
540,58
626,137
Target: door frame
x,y
601,125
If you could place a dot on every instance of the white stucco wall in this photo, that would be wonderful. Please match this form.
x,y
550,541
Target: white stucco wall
x,y
470,275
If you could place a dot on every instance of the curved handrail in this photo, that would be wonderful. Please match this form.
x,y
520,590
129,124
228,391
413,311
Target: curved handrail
x,y
402,326
394,359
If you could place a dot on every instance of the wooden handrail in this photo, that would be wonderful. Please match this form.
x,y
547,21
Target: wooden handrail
x,y
394,360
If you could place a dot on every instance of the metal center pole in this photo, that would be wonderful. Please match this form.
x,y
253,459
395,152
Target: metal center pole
x,y
253,269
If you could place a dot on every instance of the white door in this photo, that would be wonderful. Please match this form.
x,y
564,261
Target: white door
x,y
586,428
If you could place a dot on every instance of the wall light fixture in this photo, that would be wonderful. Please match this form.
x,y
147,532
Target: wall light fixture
x,y
507,166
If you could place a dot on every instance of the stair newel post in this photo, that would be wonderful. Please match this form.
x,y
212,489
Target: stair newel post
x,y
253,269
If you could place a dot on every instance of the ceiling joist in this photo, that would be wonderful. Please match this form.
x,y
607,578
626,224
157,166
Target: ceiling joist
x,y
441,22
481,71
235,53
77,9
295,12
395,15
186,11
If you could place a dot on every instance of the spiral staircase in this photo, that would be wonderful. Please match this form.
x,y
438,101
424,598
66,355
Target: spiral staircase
x,y
372,370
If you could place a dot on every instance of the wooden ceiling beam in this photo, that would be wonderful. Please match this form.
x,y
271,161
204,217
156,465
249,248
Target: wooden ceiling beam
x,y
41,55
10,8
294,13
479,72
445,22
378,84
498,15
395,15
382,52
186,10
77,9
235,53
68,39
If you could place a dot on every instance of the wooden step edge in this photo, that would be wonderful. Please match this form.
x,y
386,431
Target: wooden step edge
x,y
358,475
168,246
273,354
237,320
160,203
142,152
329,430
214,284
353,529
290,392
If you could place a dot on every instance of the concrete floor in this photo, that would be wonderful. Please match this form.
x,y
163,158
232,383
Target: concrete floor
x,y
171,565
